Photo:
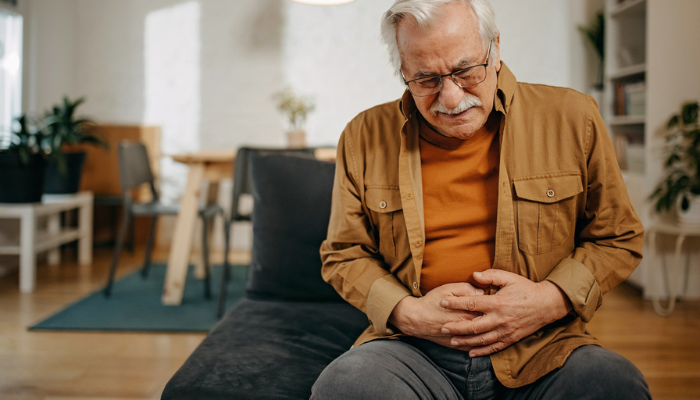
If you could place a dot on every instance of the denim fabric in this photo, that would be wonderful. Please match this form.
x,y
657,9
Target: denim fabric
x,y
419,369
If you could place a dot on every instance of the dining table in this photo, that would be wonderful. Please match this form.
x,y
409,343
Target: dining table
x,y
204,166
210,166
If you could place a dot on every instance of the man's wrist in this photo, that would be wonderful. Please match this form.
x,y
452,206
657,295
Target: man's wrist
x,y
559,303
398,314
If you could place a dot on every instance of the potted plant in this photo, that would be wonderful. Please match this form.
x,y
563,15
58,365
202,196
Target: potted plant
x,y
22,164
64,138
681,185
297,108
595,35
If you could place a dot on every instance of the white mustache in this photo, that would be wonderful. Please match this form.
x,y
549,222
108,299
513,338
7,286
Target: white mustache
x,y
468,101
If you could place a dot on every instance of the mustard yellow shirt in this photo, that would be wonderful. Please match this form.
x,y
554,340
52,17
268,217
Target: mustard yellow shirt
x,y
563,215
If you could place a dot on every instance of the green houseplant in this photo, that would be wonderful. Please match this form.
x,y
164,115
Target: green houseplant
x,y
22,164
595,34
65,135
681,185
296,108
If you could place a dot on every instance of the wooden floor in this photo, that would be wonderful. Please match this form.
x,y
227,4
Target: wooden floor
x,y
84,365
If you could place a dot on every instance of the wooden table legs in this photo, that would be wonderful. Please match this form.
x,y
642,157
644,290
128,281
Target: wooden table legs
x,y
181,247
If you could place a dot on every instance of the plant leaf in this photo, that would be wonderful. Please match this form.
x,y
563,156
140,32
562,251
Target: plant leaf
x,y
689,113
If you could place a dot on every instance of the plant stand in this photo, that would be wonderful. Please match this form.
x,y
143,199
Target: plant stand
x,y
681,232
32,240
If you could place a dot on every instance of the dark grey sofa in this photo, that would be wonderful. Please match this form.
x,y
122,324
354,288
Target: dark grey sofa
x,y
275,342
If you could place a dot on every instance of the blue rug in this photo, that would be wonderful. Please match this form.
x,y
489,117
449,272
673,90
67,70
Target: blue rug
x,y
135,305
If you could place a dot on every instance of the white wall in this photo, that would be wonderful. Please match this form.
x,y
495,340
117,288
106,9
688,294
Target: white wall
x,y
99,49
249,49
49,53
335,54
541,43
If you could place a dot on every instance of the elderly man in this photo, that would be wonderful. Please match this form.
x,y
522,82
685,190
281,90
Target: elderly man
x,y
477,222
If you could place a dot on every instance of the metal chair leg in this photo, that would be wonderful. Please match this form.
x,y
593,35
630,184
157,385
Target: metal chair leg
x,y
205,257
225,271
149,247
117,251
132,236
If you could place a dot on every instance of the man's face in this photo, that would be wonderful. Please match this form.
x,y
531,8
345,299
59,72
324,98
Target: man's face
x,y
451,43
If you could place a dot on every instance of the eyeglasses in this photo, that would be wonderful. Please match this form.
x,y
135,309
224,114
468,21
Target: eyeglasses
x,y
464,78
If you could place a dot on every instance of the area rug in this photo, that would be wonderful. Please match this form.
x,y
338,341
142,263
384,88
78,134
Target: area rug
x,y
135,305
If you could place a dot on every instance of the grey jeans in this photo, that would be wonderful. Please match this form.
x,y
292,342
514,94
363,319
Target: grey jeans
x,y
419,369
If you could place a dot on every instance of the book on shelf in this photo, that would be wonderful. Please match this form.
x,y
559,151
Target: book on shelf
x,y
629,149
630,98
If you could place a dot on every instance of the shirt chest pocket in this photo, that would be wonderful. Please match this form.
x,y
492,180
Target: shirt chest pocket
x,y
387,214
546,211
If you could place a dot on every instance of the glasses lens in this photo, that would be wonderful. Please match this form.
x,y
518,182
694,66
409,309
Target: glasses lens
x,y
425,87
470,76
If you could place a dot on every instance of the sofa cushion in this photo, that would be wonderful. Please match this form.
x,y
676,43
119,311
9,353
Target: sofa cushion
x,y
291,209
267,350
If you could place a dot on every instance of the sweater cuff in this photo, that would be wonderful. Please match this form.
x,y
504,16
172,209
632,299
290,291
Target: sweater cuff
x,y
579,285
384,295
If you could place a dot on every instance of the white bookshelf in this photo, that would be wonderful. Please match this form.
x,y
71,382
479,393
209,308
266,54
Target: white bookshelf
x,y
626,64
654,42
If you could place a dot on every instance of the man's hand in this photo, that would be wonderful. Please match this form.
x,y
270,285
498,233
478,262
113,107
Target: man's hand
x,y
424,317
518,309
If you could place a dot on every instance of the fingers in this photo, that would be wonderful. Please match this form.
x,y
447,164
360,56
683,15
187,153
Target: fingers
x,y
469,303
475,327
487,350
482,344
496,277
461,289
476,341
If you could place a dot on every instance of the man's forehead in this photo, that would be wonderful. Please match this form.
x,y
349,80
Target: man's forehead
x,y
451,39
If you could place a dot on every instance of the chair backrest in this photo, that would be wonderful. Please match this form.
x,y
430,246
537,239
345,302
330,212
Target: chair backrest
x,y
134,167
241,173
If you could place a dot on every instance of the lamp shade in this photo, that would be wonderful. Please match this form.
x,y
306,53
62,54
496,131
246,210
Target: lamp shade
x,y
323,2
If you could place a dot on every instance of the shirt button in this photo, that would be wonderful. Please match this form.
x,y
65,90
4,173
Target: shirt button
x,y
415,285
382,204
550,193
409,196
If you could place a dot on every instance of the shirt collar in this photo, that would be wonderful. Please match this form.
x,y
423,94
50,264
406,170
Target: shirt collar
x,y
505,89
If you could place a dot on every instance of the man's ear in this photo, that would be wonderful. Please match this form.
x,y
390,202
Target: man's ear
x,y
497,58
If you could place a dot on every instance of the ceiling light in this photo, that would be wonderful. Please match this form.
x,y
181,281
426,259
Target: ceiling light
x,y
323,2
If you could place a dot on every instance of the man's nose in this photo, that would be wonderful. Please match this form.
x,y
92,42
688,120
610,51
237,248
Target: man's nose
x,y
451,94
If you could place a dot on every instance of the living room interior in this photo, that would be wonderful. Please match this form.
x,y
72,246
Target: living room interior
x,y
195,81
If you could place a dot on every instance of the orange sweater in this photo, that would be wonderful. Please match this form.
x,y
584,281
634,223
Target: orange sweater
x,y
460,198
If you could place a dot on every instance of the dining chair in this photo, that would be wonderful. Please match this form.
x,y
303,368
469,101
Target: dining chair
x,y
242,186
135,171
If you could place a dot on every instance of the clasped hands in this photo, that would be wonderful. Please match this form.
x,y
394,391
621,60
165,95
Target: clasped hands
x,y
460,316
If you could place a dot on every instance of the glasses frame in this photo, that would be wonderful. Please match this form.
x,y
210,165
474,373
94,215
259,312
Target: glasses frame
x,y
451,75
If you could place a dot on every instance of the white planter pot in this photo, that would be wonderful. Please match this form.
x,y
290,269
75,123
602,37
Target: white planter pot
x,y
690,217
296,139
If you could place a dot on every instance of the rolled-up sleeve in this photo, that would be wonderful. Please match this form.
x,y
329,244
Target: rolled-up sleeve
x,y
350,256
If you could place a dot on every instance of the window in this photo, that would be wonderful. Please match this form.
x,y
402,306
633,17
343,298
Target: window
x,y
10,72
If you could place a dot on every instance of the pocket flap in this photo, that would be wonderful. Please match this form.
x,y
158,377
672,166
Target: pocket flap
x,y
550,189
383,200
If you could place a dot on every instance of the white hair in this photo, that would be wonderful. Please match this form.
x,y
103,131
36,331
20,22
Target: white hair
x,y
424,11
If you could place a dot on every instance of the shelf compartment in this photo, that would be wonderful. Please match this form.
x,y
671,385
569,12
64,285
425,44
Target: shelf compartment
x,y
628,72
45,241
629,8
620,120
